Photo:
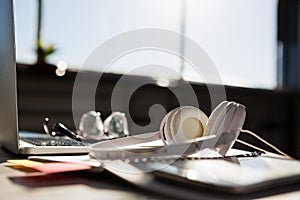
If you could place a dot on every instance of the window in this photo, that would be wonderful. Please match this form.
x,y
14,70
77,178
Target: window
x,y
239,36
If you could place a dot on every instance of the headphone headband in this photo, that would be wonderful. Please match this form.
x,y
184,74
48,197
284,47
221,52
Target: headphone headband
x,y
218,132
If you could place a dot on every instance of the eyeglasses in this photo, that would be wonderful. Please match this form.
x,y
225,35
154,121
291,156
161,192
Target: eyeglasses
x,y
92,127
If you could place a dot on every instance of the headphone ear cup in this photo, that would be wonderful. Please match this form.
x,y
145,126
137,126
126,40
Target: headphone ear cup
x,y
165,126
215,119
233,123
186,123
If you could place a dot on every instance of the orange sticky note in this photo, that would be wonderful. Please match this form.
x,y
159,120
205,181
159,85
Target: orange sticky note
x,y
57,167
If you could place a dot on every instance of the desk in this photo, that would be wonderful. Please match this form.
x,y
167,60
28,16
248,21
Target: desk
x,y
65,185
91,185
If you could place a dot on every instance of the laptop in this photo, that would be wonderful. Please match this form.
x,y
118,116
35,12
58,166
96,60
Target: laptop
x,y
10,137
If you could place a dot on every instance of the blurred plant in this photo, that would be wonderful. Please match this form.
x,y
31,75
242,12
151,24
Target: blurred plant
x,y
43,51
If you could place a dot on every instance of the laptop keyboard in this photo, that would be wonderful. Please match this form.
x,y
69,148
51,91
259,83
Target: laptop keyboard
x,y
57,142
52,142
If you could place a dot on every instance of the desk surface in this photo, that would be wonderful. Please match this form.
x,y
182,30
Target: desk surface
x,y
65,185
90,185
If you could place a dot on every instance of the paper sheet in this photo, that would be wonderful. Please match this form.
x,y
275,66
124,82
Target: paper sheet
x,y
82,159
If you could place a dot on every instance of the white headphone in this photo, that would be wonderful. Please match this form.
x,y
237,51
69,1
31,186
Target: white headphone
x,y
184,130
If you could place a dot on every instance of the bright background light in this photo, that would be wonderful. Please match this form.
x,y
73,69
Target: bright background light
x,y
238,35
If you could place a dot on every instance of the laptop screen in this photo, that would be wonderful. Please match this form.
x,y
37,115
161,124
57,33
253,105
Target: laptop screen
x,y
8,91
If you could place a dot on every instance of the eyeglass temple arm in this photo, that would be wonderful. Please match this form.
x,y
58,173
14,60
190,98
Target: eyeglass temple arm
x,y
59,127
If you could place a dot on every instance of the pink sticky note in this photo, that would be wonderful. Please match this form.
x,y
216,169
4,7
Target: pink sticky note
x,y
54,167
